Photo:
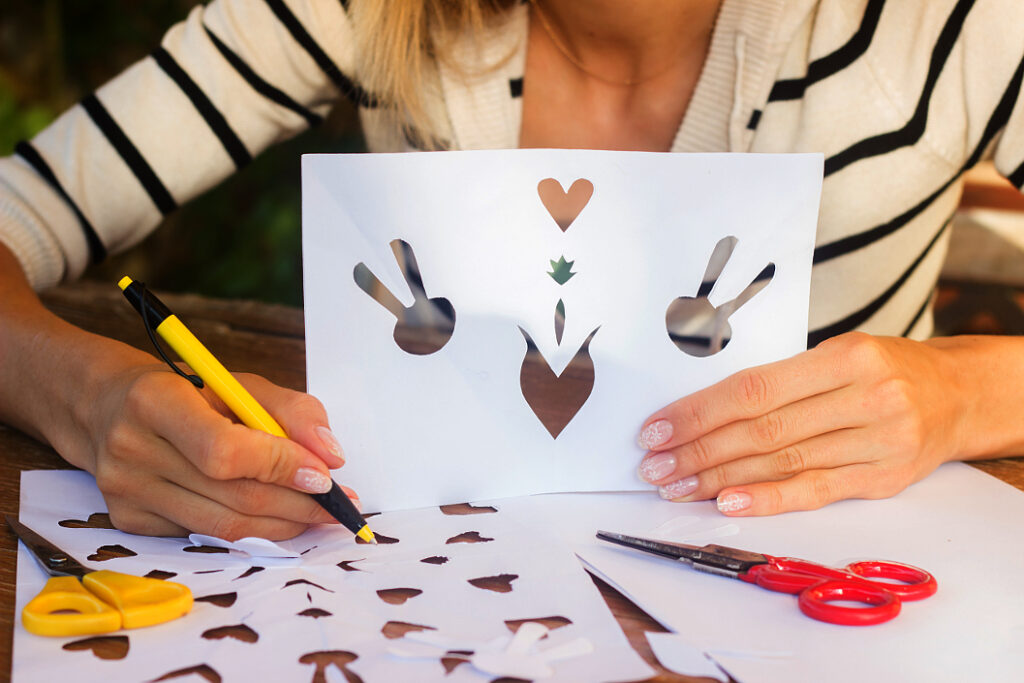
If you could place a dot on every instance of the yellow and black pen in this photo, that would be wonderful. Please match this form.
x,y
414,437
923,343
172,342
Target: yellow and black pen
x,y
241,402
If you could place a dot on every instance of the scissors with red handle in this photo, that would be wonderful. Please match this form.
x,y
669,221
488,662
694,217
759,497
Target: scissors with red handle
x,y
817,586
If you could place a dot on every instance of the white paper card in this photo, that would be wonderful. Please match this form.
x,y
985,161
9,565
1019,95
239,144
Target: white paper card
x,y
468,578
960,524
455,424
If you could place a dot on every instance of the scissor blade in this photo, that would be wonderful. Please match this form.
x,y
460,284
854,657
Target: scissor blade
x,y
714,559
675,551
53,560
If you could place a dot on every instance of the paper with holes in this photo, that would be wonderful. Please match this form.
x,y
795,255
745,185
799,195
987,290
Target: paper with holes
x,y
567,262
960,524
468,574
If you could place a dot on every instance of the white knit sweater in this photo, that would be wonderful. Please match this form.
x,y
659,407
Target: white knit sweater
x,y
900,96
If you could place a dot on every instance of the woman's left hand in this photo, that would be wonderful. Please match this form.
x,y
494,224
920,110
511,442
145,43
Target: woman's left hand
x,y
856,417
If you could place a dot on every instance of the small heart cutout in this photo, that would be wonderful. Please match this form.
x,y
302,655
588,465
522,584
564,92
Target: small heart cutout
x,y
104,647
564,206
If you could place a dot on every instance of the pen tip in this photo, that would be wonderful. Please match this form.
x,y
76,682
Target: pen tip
x,y
366,535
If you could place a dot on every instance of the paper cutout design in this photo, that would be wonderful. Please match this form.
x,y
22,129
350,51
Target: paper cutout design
x,y
296,619
220,599
422,310
536,250
97,520
698,327
556,398
104,647
110,552
565,207
202,670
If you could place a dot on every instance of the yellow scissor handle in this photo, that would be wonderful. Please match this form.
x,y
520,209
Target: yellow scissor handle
x,y
140,600
108,601
65,608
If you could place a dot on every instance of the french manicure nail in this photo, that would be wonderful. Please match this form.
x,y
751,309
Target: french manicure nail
x,y
330,442
679,488
656,467
734,502
655,434
314,481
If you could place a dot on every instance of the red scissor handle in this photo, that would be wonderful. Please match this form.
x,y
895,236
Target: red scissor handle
x,y
818,585
917,584
815,602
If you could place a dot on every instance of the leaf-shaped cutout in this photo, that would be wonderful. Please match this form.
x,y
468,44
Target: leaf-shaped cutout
x,y
468,537
398,596
398,629
220,599
239,632
467,509
379,537
501,583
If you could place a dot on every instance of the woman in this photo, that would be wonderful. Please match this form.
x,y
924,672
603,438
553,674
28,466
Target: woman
x,y
900,97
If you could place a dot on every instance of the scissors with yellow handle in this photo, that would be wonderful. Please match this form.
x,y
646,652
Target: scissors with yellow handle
x,y
79,601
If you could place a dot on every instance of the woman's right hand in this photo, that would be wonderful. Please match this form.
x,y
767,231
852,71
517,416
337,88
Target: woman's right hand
x,y
169,459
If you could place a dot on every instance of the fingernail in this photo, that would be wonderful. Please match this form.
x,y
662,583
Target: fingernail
x,y
314,481
656,467
330,442
734,502
679,488
655,434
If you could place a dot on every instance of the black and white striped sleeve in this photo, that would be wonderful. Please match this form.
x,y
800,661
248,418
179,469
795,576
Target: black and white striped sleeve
x,y
233,78
994,54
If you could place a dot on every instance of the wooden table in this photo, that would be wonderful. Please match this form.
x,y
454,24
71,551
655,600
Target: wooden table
x,y
247,337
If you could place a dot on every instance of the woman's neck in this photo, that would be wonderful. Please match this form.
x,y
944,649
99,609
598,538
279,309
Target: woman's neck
x,y
627,42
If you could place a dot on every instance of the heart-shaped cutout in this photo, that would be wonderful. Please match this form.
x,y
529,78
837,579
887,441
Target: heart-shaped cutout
x,y
564,206
104,647
555,399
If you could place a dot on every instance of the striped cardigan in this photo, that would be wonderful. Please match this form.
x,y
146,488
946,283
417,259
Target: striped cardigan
x,y
901,97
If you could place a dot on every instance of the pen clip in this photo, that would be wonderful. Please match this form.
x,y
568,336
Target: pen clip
x,y
196,380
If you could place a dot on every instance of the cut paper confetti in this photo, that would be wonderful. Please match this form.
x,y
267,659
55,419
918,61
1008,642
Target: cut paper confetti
x,y
339,606
536,305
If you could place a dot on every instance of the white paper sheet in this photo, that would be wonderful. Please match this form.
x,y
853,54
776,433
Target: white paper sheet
x,y
454,425
327,600
676,653
960,524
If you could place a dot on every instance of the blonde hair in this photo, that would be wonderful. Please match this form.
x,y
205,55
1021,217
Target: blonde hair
x,y
399,41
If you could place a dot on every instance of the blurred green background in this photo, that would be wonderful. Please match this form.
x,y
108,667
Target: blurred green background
x,y
241,239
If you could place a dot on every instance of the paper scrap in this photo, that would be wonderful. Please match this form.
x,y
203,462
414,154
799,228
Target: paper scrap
x,y
677,654
252,546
